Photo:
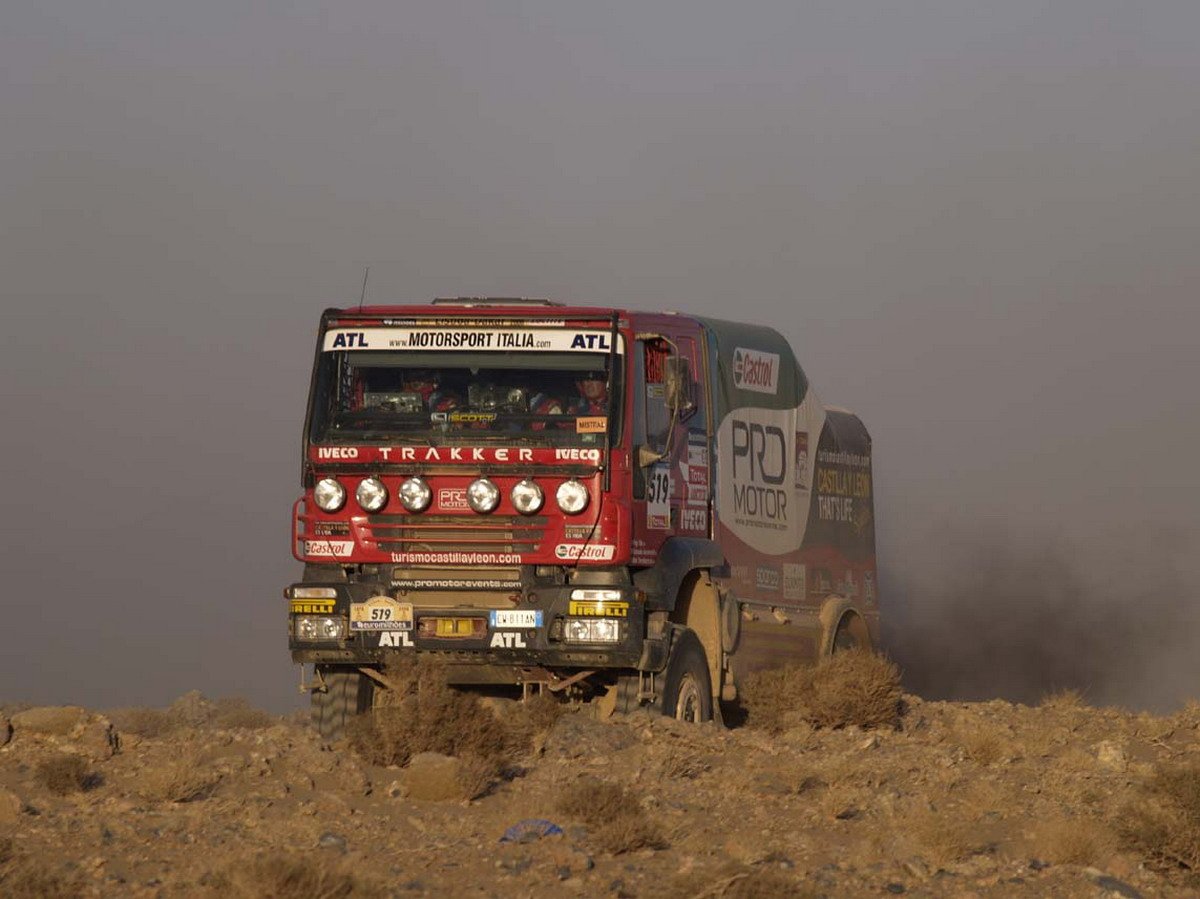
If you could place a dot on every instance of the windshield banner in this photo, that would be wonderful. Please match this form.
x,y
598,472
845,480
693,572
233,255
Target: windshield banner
x,y
503,340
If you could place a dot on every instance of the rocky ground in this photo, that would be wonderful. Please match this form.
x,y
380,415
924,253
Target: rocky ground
x,y
981,799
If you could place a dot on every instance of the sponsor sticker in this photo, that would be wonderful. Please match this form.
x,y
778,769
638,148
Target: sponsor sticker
x,y
588,609
311,606
755,370
801,460
455,558
576,454
453,499
395,640
591,424
693,520
794,581
381,613
508,640
591,552
523,618
334,549
455,584
766,578
472,417
481,339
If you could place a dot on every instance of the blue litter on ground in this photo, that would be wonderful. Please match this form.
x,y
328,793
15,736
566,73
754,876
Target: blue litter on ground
x,y
531,829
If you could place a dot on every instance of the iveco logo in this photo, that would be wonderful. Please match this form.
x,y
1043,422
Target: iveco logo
x,y
756,371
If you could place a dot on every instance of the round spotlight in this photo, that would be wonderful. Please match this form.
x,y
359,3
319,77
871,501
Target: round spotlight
x,y
527,497
371,494
483,496
329,494
415,494
572,497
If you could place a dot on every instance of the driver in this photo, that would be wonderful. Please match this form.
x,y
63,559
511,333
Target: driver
x,y
423,381
444,401
544,404
593,395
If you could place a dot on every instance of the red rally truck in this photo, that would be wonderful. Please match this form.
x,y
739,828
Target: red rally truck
x,y
618,507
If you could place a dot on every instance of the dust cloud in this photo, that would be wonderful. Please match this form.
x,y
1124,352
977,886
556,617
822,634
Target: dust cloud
x,y
994,612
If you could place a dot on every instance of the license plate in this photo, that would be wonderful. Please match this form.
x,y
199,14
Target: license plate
x,y
381,613
516,618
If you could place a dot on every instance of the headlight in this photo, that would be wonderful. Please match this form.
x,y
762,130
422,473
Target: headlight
x,y
527,497
572,497
415,494
315,628
371,494
329,494
483,495
592,630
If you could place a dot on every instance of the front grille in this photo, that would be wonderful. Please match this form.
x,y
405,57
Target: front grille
x,y
460,533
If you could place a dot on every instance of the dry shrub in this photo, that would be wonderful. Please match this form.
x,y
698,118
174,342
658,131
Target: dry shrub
x,y
983,745
182,779
190,710
233,712
293,877
849,688
1163,824
66,773
36,876
1067,698
946,837
614,817
422,713
739,882
683,765
142,722
1073,841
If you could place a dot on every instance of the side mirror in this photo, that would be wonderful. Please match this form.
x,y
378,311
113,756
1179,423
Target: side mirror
x,y
647,456
677,383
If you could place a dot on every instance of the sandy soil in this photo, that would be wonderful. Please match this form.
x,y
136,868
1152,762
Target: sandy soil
x,y
982,799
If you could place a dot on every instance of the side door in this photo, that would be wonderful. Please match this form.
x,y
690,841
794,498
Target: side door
x,y
672,495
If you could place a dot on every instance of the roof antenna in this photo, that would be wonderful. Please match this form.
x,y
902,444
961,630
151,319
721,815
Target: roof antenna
x,y
363,295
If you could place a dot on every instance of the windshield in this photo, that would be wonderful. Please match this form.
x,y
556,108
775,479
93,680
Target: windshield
x,y
551,398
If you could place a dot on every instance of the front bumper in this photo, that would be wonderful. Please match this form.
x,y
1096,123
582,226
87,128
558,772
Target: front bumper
x,y
531,633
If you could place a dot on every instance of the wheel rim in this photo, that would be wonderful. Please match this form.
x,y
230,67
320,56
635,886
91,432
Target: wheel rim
x,y
845,641
689,703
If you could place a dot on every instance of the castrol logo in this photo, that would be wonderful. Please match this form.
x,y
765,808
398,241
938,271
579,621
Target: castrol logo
x,y
756,371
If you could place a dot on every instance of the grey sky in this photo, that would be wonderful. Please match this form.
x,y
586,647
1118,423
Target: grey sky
x,y
977,222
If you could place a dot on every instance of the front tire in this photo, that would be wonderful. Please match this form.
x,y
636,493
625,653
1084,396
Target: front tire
x,y
347,693
687,688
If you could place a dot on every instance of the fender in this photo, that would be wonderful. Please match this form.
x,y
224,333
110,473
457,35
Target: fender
x,y
678,557
833,610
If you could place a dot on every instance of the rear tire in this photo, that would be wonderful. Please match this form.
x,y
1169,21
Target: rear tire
x,y
347,693
687,688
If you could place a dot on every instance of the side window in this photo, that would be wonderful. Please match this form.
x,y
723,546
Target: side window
x,y
657,420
